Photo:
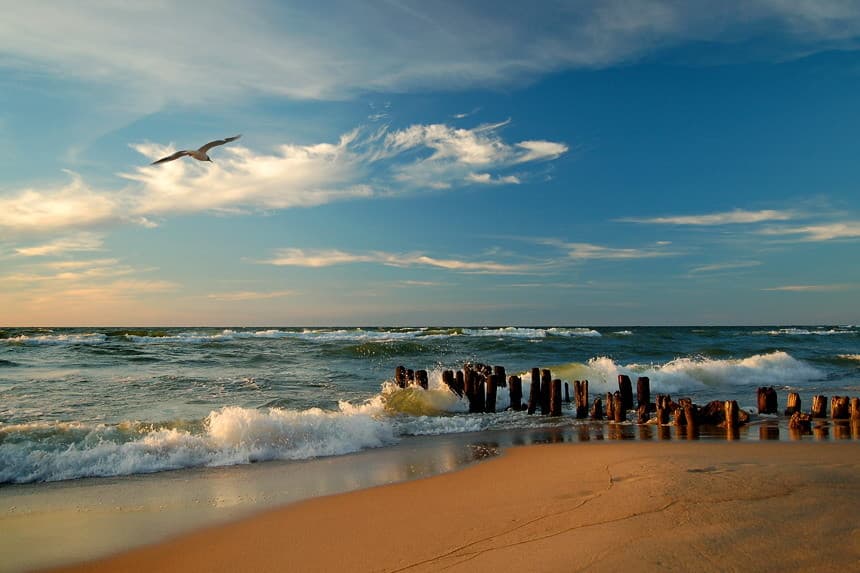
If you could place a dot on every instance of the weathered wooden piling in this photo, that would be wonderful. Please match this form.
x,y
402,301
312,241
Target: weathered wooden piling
x,y
663,408
448,380
421,379
460,382
410,376
792,403
686,404
534,391
545,384
400,376
800,421
610,406
515,389
839,407
767,403
819,406
580,393
500,371
555,398
566,393
618,410
625,387
731,412
642,413
643,391
480,392
492,383
854,410
596,409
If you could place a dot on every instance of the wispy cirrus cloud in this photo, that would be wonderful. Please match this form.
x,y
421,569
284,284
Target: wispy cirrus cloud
x,y
360,164
163,51
591,251
238,296
719,267
818,232
331,257
813,288
735,217
73,243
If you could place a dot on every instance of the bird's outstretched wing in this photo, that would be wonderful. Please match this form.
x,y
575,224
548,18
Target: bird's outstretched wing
x,y
218,142
176,155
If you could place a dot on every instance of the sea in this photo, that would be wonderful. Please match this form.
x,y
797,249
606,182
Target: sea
x,y
106,402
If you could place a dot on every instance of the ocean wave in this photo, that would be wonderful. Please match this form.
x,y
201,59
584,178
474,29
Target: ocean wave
x,y
850,357
57,339
523,332
691,374
805,332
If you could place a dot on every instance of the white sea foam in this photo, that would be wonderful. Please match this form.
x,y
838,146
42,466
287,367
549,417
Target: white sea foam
x,y
855,357
823,331
690,374
520,332
58,339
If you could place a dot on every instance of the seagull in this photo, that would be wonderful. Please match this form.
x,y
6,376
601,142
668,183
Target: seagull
x,y
198,154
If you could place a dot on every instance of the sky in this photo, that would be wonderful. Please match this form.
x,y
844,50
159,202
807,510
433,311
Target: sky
x,y
430,163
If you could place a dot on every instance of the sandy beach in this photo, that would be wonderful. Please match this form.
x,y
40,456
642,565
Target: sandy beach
x,y
599,507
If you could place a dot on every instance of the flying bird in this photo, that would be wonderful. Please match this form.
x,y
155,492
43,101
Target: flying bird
x,y
198,154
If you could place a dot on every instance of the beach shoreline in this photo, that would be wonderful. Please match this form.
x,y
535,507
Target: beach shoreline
x,y
602,506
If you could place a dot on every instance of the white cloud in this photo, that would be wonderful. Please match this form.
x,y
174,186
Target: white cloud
x,y
172,52
589,251
249,295
738,216
822,232
724,266
813,288
327,258
78,242
361,164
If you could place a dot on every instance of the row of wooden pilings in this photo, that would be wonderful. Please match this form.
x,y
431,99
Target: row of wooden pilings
x,y
478,383
841,408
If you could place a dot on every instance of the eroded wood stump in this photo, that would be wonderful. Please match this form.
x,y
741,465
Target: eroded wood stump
x,y
663,408
839,407
555,398
421,379
597,409
580,392
566,393
854,410
534,391
545,384
643,391
819,406
400,376
767,402
492,384
792,403
610,406
500,371
800,421
730,414
515,386
625,387
618,410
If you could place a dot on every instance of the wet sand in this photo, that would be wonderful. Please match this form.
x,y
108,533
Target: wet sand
x,y
672,506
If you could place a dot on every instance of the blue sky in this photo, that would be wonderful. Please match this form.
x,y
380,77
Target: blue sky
x,y
593,163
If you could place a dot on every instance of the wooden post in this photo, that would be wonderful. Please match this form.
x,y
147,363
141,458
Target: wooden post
x,y
597,409
610,406
625,387
545,383
580,392
663,412
732,421
469,385
792,403
400,376
448,380
643,391
460,382
819,406
515,389
500,371
566,393
800,421
618,406
854,409
766,398
686,404
534,391
410,376
839,407
480,392
555,398
492,384
642,413
421,379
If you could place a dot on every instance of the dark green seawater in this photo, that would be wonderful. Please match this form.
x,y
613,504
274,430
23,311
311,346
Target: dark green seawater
x,y
78,402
